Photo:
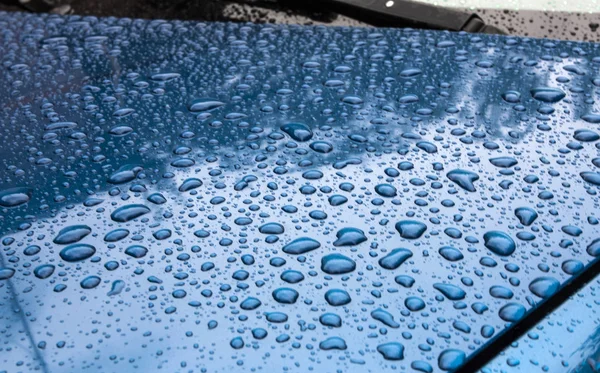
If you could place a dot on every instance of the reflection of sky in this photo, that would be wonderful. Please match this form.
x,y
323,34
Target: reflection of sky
x,y
126,326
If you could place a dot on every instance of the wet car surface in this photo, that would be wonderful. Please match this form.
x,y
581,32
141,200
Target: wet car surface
x,y
186,196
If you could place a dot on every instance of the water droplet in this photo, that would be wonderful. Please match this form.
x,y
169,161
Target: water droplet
x,y
414,304
72,234
6,273
330,319
129,212
512,312
15,197
385,317
285,295
410,229
526,215
90,282
337,297
301,246
77,252
585,135
349,237
124,174
544,287
44,271
451,254
393,351
572,266
395,258
591,177
463,179
136,251
333,343
298,131
322,147
451,359
503,162
451,292
499,243
204,104
547,94
386,190
189,184
337,264
250,304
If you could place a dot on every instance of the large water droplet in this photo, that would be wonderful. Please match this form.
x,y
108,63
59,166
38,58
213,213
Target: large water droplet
x,y
6,273
189,184
44,271
410,229
204,104
503,162
77,252
499,243
136,251
526,215
386,190
414,304
547,94
90,282
451,292
451,254
129,212
333,343
585,135
72,234
512,312
463,179
544,287
337,297
395,258
337,264
451,359
349,237
301,246
298,131
591,177
125,174
250,304
15,196
285,295
384,317
393,351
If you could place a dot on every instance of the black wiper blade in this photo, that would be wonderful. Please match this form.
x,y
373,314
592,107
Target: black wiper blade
x,y
390,13
398,13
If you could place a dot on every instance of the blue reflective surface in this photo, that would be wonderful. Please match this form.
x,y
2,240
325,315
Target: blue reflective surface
x,y
205,197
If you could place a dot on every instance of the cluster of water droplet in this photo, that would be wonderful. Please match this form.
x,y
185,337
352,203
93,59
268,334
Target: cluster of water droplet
x,y
204,197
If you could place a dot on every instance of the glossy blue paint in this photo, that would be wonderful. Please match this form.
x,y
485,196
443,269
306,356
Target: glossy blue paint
x,y
206,197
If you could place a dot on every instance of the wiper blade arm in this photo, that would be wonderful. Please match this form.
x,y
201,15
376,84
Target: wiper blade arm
x,y
403,13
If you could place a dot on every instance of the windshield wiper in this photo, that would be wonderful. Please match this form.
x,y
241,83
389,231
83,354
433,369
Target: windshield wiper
x,y
391,13
381,13
395,13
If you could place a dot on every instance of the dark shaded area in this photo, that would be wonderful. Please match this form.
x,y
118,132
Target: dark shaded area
x,y
205,10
